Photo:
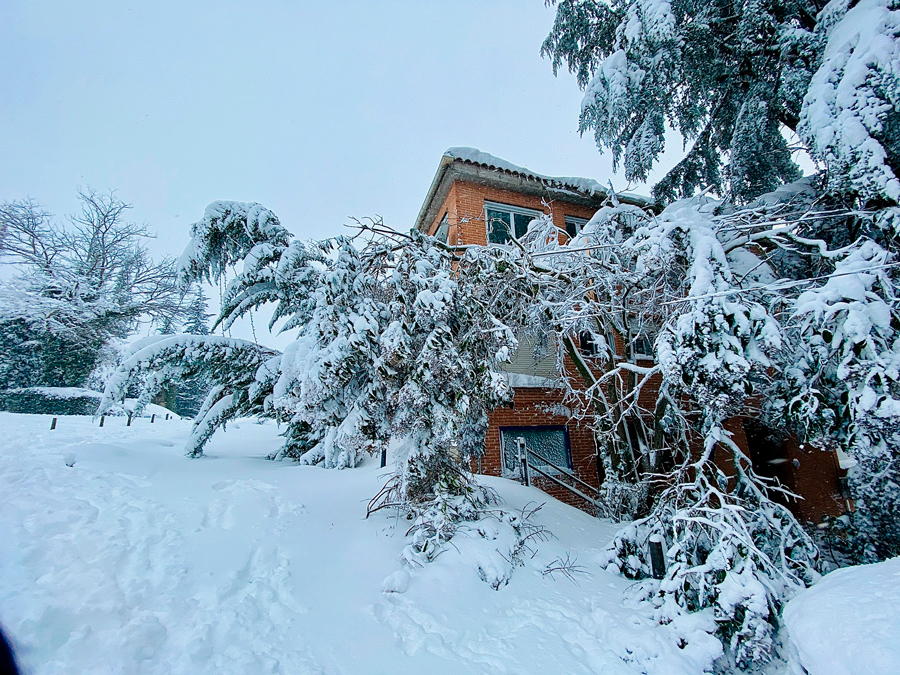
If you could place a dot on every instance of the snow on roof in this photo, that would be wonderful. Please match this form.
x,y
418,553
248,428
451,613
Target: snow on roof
x,y
586,186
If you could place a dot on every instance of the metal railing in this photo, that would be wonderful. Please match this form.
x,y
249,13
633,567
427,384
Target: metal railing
x,y
525,466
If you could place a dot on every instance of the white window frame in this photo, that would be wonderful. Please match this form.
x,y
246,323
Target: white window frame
x,y
510,209
641,357
577,223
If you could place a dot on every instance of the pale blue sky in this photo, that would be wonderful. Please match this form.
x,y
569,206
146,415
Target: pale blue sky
x,y
320,111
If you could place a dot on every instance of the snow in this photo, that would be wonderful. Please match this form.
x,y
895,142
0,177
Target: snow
x,y
120,555
64,392
849,622
849,96
528,381
585,185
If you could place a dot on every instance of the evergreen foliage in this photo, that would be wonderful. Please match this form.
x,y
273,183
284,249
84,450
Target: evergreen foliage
x,y
731,78
190,392
784,310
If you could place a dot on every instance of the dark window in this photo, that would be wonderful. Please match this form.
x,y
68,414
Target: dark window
x,y
587,344
574,225
498,226
502,219
550,442
641,346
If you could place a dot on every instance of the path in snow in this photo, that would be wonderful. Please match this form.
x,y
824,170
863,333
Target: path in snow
x,y
138,560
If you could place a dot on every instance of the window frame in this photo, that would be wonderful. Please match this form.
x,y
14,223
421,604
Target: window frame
x,y
577,223
632,337
508,473
512,210
587,346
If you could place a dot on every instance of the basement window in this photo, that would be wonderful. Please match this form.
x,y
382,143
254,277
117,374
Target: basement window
x,y
503,219
550,442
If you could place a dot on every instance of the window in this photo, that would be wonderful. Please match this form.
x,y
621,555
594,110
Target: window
x,y
641,346
587,345
502,219
443,229
551,443
574,226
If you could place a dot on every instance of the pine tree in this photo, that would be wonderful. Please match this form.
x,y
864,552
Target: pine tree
x,y
731,78
191,392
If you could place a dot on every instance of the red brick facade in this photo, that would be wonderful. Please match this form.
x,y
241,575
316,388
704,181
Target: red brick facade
x,y
464,208
458,194
534,407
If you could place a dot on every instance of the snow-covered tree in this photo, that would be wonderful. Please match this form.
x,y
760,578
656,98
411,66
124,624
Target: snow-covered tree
x,y
696,283
789,309
732,78
190,392
395,337
77,287
850,119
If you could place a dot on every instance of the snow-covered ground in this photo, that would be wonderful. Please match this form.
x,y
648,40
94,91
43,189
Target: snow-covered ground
x,y
138,560
848,623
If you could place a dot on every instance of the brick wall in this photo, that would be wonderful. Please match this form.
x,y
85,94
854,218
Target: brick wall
x,y
464,207
533,407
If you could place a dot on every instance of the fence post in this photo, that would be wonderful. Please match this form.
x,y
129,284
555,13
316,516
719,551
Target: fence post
x,y
523,460
102,419
152,418
657,557
53,424
383,457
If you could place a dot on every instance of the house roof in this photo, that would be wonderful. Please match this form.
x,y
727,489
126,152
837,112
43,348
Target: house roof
x,y
473,165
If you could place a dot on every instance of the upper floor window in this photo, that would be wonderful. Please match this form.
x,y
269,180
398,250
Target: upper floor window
x,y
502,219
574,226
443,229
587,345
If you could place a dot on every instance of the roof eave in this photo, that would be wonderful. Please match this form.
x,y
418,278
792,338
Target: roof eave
x,y
446,161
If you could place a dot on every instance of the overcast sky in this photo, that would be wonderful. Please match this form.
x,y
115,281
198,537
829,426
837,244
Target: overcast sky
x,y
320,111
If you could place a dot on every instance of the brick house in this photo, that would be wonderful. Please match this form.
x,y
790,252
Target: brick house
x,y
476,198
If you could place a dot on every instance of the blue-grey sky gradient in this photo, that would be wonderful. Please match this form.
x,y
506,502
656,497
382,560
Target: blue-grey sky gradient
x,y
319,110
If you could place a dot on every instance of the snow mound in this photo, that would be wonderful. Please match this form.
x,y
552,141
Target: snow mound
x,y
849,622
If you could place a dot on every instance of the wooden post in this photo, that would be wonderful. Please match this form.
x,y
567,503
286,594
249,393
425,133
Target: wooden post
x,y
523,460
167,417
53,424
152,418
102,419
657,557
129,420
383,457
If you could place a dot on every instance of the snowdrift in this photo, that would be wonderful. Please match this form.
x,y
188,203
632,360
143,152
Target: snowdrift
x,y
848,623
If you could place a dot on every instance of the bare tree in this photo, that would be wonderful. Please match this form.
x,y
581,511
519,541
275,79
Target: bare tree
x,y
76,286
